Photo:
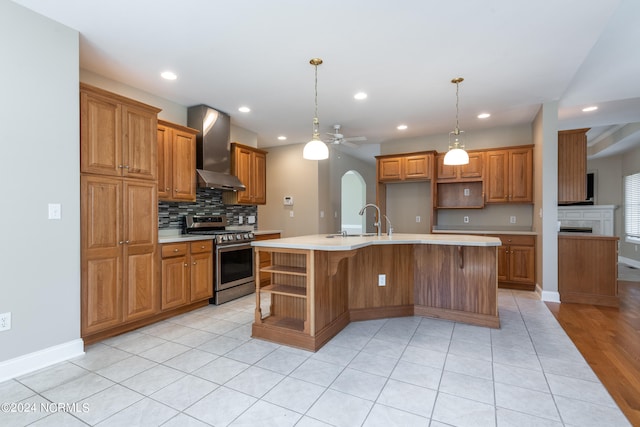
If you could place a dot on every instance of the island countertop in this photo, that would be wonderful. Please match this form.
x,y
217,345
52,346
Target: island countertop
x,y
336,242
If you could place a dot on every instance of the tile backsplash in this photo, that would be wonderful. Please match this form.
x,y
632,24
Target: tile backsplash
x,y
208,202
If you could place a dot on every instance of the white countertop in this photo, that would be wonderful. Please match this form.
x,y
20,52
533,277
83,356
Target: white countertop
x,y
524,233
340,243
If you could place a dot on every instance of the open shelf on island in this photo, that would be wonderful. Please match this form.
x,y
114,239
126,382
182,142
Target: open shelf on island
x,y
285,269
284,322
292,291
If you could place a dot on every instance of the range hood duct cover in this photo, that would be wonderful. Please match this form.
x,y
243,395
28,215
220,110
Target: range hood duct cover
x,y
213,148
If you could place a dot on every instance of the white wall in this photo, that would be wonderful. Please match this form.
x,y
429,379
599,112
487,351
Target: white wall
x,y
39,118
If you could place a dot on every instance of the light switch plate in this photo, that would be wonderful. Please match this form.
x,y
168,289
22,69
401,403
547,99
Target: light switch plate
x,y
54,211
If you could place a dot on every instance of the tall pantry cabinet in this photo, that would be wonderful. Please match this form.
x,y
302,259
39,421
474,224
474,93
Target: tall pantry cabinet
x,y
118,211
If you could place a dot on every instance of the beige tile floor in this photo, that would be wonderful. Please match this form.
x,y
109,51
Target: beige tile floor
x,y
203,368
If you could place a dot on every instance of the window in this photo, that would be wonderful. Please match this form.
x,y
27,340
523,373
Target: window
x,y
632,207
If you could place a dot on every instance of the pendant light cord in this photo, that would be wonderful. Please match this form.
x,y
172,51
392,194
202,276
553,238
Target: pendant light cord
x,y
457,100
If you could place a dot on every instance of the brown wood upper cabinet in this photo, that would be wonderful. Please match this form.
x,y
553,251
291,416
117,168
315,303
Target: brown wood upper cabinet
x,y
405,167
473,171
117,135
509,177
572,166
250,166
176,162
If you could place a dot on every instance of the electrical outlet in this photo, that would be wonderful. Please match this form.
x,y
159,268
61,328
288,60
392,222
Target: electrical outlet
x,y
290,214
512,219
240,220
5,321
321,214
54,211
382,280
418,219
466,192
251,219
465,219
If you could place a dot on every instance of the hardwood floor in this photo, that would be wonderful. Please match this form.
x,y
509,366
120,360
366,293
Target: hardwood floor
x,y
609,340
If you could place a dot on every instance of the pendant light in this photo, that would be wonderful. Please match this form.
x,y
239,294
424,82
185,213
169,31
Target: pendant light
x,y
456,154
316,149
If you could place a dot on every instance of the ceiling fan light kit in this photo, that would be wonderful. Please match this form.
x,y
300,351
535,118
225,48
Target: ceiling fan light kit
x,y
456,154
315,149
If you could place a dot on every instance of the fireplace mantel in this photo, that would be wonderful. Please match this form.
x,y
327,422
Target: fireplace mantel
x,y
599,217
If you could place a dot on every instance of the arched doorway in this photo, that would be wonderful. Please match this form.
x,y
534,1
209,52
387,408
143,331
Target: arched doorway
x,y
353,196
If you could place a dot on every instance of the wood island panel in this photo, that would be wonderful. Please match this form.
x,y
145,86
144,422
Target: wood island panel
x,y
367,300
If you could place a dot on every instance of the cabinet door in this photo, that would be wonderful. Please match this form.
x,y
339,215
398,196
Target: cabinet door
x,y
503,263
572,166
474,169
445,172
522,264
390,169
140,143
140,243
521,175
417,167
201,276
175,282
101,253
164,163
100,135
259,184
184,166
243,172
497,179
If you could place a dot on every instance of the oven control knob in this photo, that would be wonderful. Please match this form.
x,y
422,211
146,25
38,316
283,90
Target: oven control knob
x,y
238,236
250,235
229,237
221,239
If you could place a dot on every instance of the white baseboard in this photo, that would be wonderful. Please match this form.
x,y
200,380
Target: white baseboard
x,y
550,296
629,261
27,363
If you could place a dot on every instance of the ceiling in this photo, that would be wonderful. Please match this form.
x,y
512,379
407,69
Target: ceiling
x,y
513,55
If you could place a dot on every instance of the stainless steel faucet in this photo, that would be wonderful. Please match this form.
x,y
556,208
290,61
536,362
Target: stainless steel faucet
x,y
379,217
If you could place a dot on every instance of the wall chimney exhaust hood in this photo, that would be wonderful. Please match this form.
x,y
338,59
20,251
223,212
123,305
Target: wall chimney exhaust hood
x,y
213,148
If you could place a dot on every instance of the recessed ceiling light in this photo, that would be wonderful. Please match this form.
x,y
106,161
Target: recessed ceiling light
x,y
282,138
244,109
484,116
592,108
402,127
169,75
360,95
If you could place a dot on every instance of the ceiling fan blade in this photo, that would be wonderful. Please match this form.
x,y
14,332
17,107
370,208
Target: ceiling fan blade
x,y
355,138
348,144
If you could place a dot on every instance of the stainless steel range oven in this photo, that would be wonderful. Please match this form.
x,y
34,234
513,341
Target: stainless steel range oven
x,y
233,266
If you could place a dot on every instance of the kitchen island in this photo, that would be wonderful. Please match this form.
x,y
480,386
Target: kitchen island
x,y
320,283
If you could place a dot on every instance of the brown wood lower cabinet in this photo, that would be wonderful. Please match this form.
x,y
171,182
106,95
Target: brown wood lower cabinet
x,y
517,261
588,269
187,273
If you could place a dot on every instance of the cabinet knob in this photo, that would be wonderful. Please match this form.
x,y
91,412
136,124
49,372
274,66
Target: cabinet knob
x,y
120,242
120,166
168,189
175,250
126,241
194,263
202,247
186,265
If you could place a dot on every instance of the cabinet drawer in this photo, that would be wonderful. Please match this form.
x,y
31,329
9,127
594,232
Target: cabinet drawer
x,y
174,249
201,246
515,239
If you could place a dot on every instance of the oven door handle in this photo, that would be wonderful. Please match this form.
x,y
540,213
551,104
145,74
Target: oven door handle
x,y
233,246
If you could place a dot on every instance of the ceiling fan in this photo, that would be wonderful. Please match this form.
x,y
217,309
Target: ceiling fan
x,y
338,138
